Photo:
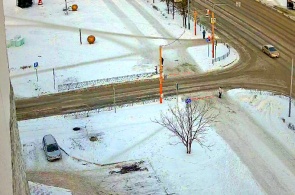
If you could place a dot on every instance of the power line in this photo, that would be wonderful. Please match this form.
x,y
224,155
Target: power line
x,y
175,39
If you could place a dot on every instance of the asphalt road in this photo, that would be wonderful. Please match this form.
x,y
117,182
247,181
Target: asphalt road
x,y
246,28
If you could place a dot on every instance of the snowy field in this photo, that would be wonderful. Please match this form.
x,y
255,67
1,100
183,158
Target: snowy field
x,y
127,43
282,3
271,112
130,134
41,189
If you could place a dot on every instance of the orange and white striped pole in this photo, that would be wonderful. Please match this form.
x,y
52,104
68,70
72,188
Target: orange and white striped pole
x,y
195,17
212,36
161,75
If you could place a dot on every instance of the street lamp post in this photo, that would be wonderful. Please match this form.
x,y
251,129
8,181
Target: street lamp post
x,y
213,21
161,75
290,98
66,7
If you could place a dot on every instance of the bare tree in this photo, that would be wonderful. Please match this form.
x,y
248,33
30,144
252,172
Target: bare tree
x,y
190,123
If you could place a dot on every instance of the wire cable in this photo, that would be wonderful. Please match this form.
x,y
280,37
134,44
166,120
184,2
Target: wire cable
x,y
174,40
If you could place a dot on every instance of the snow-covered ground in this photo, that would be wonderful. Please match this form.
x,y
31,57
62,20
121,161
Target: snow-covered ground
x,y
275,2
130,134
127,43
38,189
271,112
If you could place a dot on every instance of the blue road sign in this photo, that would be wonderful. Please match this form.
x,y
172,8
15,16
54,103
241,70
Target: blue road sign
x,y
207,40
35,64
188,100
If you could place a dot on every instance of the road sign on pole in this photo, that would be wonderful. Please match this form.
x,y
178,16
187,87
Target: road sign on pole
x,y
208,40
35,64
53,78
213,20
188,100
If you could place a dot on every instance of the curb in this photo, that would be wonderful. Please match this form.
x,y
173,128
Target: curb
x,y
234,61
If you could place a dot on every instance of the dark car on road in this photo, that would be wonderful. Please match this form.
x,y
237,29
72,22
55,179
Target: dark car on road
x,y
51,148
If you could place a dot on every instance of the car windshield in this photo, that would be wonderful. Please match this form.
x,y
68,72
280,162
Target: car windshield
x,y
272,49
52,147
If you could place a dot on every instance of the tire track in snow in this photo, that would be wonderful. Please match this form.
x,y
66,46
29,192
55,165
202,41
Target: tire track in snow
x,y
132,147
162,31
131,26
268,160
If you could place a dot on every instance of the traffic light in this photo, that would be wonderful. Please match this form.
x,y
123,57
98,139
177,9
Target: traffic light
x,y
207,12
156,69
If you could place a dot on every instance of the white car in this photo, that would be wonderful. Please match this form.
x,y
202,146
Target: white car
x,y
271,51
51,148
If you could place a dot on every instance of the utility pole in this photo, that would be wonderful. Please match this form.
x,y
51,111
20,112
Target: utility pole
x,y
213,21
80,36
53,77
114,98
161,75
66,8
212,36
290,100
189,26
177,92
36,74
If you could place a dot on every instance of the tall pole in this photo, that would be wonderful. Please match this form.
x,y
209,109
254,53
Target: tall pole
x,y
66,7
36,74
173,8
290,100
208,49
189,26
212,36
114,98
215,50
80,36
195,18
53,77
177,90
161,76
213,20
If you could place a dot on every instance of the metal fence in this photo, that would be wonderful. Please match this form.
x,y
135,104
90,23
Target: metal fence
x,y
105,81
86,113
223,56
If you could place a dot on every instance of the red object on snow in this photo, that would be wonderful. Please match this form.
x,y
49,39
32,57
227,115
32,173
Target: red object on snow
x,y
40,2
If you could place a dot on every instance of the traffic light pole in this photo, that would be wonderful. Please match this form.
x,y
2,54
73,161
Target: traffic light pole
x,y
212,36
195,24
